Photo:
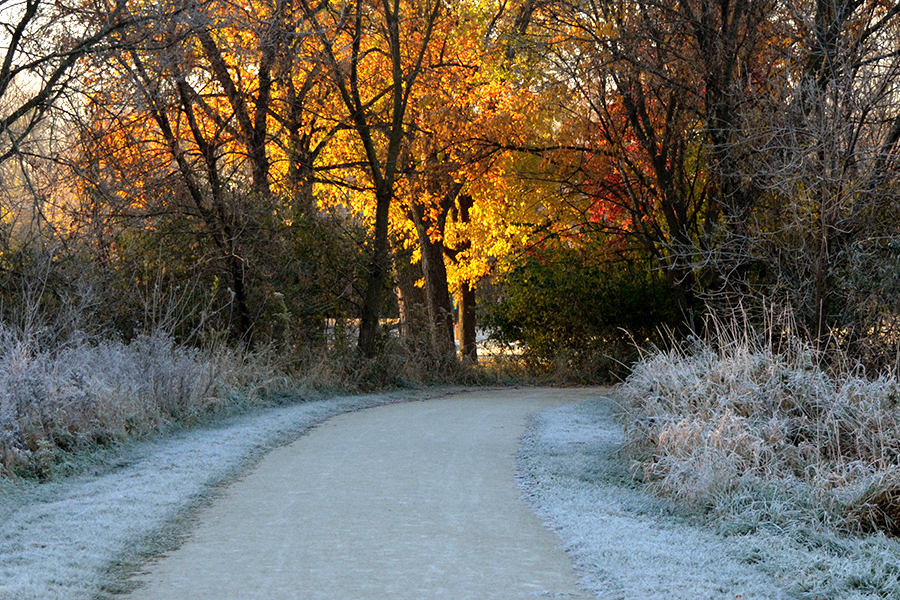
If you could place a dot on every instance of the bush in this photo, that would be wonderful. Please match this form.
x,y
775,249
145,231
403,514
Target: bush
x,y
54,403
581,316
757,436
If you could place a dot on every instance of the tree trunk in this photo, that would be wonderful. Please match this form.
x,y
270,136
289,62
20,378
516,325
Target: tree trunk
x,y
682,286
378,272
823,268
412,300
468,349
242,308
466,297
301,175
437,290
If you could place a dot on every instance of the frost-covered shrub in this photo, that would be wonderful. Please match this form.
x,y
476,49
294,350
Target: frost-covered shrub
x,y
82,395
759,436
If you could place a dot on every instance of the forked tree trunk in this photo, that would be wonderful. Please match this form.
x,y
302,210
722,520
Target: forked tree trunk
x,y
412,300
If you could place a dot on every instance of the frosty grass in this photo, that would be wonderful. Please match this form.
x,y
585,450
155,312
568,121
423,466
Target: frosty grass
x,y
630,546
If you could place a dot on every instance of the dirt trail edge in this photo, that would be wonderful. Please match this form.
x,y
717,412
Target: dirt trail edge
x,y
414,500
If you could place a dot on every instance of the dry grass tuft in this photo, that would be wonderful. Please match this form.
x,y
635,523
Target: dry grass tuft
x,y
763,437
54,403
878,509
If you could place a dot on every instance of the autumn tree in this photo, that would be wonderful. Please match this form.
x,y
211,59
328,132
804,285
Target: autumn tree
x,y
648,93
443,153
375,53
41,44
219,117
43,50
470,107
199,142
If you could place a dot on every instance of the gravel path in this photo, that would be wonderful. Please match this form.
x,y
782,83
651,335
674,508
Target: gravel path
x,y
415,500
402,499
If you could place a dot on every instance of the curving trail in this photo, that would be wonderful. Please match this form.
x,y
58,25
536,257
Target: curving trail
x,y
407,501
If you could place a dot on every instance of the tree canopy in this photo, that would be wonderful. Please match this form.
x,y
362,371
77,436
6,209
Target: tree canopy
x,y
266,170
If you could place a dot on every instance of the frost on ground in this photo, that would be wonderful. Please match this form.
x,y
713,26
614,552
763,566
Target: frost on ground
x,y
71,539
626,544
632,546
778,452
65,539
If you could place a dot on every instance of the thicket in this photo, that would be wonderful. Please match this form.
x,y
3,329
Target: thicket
x,y
82,396
579,318
762,430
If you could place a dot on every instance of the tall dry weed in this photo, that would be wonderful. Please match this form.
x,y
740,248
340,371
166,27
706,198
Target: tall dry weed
x,y
758,435
56,402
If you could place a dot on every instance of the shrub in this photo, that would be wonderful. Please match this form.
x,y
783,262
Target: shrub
x,y
584,316
757,436
57,402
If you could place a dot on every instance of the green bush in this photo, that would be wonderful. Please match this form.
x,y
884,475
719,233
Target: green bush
x,y
565,311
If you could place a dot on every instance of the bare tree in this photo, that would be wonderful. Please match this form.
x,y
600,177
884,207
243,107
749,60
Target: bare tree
x,y
210,102
826,154
41,43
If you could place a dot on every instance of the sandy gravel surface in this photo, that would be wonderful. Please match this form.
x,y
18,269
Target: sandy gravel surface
x,y
71,538
416,500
